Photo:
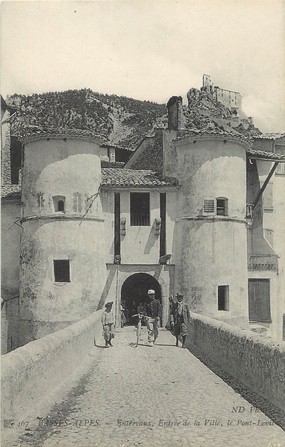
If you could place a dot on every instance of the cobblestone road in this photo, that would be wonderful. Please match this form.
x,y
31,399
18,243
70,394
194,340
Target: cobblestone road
x,y
160,396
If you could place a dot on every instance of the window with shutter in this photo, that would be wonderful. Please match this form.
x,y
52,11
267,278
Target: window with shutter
x,y
209,206
140,208
222,206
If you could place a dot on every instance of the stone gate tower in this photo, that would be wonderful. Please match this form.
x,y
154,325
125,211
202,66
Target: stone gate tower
x,y
210,239
62,272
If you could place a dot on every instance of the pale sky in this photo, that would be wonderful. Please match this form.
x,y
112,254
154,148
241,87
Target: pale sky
x,y
148,49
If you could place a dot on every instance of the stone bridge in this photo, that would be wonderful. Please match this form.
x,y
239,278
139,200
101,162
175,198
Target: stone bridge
x,y
226,389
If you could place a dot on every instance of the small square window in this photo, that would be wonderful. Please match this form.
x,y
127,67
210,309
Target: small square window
x,y
223,297
59,204
61,270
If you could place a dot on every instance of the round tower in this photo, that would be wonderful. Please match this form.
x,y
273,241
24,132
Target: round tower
x,y
63,264
210,240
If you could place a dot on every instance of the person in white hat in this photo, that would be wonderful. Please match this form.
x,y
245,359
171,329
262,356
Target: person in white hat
x,y
154,314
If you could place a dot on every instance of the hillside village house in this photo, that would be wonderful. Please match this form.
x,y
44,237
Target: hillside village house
x,y
196,211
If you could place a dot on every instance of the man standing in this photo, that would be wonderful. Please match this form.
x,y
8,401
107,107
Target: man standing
x,y
179,319
108,323
154,314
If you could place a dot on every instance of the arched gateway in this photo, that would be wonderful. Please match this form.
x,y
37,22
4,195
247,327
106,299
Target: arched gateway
x,y
134,292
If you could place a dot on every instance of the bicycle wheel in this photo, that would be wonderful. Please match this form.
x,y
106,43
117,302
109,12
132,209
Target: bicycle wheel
x,y
139,331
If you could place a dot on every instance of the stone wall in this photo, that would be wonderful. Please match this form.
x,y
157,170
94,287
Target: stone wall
x,y
31,372
256,361
10,265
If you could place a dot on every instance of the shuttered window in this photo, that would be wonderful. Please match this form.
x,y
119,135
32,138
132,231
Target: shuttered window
x,y
209,206
140,209
259,300
222,206
218,206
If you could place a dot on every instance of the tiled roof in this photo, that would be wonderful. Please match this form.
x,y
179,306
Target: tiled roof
x,y
11,192
134,178
112,164
266,155
116,146
36,133
270,136
111,177
150,156
210,132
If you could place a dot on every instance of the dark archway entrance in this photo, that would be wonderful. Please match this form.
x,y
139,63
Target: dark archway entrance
x,y
134,293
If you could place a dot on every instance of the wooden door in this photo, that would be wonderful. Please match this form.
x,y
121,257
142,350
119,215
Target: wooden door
x,y
259,300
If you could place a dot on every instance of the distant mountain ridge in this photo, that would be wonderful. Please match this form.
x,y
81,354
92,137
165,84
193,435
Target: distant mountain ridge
x,y
119,120
116,119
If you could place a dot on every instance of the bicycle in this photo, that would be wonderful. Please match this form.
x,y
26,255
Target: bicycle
x,y
141,316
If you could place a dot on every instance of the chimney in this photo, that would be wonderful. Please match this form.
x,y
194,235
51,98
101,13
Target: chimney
x,y
174,107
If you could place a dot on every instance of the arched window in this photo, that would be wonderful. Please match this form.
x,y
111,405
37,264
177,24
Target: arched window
x,y
59,204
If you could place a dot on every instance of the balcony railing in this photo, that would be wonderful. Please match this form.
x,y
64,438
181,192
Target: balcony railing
x,y
140,219
263,263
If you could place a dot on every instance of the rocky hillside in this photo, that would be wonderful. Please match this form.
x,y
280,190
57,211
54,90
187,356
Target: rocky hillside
x,y
205,114
119,120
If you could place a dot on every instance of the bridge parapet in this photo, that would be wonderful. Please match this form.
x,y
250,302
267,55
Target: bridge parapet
x,y
38,368
32,372
254,360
